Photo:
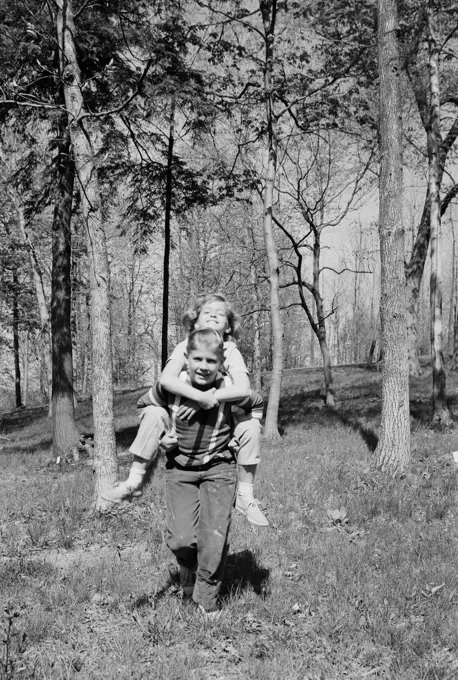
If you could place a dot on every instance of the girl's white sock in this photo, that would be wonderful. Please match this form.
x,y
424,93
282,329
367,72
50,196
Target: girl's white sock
x,y
135,478
245,492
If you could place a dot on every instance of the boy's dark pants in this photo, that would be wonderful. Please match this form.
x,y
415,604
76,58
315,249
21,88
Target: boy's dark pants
x,y
199,509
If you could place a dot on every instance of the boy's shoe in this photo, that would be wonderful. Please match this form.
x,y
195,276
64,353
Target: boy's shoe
x,y
252,512
120,492
187,581
214,615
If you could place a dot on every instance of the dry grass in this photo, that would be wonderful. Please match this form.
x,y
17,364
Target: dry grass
x,y
367,592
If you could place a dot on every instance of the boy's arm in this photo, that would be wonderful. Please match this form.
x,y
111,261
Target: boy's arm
x,y
154,397
170,380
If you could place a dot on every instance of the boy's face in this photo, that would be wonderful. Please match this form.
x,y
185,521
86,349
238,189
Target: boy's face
x,y
213,315
203,366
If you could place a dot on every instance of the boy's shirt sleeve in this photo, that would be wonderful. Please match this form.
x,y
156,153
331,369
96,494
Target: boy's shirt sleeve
x,y
252,404
156,396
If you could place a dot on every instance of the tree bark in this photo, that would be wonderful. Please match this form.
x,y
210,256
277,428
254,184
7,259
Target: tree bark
x,y
257,331
268,11
65,432
441,414
25,368
451,310
105,461
168,213
393,450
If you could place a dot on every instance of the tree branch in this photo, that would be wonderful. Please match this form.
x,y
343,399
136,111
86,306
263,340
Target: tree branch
x,y
118,109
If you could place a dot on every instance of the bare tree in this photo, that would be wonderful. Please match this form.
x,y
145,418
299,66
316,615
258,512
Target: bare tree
x,y
312,185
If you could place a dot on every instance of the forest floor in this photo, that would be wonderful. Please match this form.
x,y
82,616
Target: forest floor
x,y
356,577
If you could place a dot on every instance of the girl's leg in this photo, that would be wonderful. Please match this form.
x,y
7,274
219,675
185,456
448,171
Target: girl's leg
x,y
217,490
154,422
247,432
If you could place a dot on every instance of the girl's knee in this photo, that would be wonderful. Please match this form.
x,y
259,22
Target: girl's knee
x,y
248,430
154,414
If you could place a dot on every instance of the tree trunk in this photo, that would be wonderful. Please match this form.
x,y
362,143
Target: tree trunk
x,y
320,327
268,10
105,461
393,450
257,332
25,368
416,264
168,212
17,361
441,414
371,353
412,293
65,433
45,338
328,380
454,366
451,310
312,346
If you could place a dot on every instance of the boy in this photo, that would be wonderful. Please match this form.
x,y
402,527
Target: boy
x,y
201,472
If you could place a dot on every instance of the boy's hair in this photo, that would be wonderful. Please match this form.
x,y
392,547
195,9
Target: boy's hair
x,y
233,320
208,339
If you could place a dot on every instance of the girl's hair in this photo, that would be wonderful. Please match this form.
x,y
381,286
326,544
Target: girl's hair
x,y
209,339
233,320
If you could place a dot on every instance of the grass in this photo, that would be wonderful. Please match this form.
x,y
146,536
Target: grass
x,y
367,591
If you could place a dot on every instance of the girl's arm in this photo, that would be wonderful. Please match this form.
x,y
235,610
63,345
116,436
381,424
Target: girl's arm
x,y
238,390
170,380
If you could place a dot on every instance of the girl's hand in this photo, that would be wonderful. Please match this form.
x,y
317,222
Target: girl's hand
x,y
207,400
188,410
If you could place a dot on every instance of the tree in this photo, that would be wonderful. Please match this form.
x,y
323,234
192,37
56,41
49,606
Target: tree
x,y
269,14
105,461
441,412
320,193
415,27
65,432
393,449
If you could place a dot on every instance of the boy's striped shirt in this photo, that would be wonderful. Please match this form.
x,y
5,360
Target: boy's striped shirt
x,y
209,432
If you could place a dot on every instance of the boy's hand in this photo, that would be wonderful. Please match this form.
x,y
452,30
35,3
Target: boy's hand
x,y
188,411
169,441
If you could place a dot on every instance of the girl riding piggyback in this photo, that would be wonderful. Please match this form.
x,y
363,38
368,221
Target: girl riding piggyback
x,y
210,311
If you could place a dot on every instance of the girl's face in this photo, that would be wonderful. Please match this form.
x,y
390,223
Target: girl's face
x,y
203,366
213,315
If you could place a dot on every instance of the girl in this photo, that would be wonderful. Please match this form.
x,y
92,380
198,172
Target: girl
x,y
211,311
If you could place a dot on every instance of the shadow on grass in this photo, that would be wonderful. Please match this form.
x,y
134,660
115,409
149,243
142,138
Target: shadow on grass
x,y
243,571
307,409
367,433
